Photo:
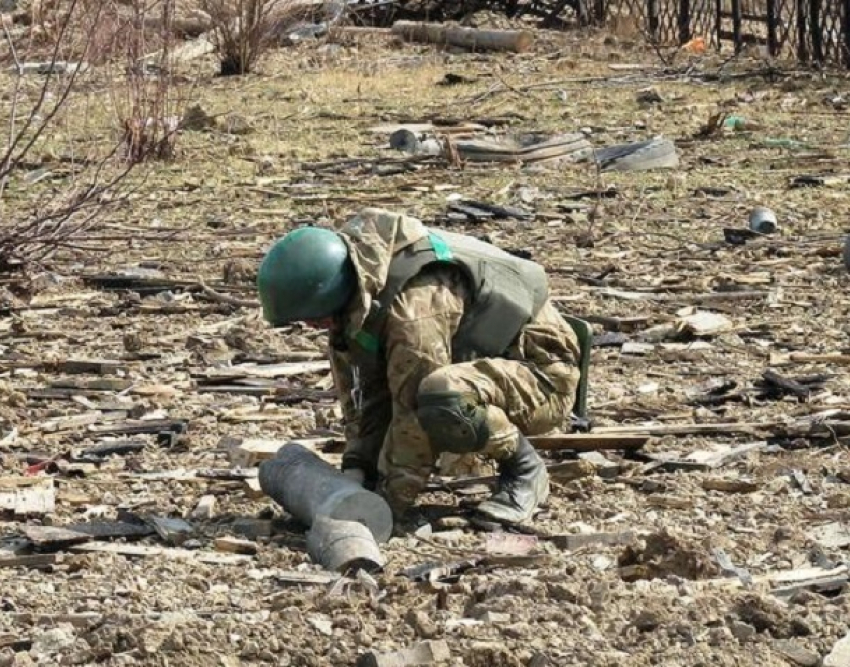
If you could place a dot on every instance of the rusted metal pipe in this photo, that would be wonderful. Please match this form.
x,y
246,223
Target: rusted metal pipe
x,y
308,487
343,545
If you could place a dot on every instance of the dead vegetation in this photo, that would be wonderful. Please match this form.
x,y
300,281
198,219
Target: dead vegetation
x,y
243,30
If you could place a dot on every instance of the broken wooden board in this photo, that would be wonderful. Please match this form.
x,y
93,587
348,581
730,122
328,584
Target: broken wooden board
x,y
429,652
780,359
27,495
249,452
53,537
143,551
93,366
263,371
709,459
730,485
779,580
108,530
571,542
297,578
37,561
588,442
233,545
720,428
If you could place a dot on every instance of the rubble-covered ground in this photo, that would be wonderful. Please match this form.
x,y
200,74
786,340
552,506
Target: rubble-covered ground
x,y
730,560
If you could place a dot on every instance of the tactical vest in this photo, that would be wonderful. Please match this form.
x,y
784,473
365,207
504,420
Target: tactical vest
x,y
506,293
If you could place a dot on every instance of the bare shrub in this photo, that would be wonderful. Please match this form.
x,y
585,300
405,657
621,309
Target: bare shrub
x,y
244,29
145,95
63,165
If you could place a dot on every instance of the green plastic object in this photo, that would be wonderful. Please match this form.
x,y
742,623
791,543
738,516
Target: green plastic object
x,y
307,275
584,333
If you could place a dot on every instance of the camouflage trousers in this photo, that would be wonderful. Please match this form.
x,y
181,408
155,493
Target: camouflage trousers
x,y
518,395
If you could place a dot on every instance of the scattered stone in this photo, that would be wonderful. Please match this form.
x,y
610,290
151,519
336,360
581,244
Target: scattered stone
x,y
839,656
664,554
51,641
205,509
743,632
494,617
422,624
796,654
424,653
834,535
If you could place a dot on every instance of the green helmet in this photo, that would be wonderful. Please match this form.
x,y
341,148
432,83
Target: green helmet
x,y
307,275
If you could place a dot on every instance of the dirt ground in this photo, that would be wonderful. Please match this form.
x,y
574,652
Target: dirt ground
x,y
703,579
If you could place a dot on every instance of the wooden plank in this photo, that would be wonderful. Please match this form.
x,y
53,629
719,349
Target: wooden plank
x,y
710,459
106,530
778,359
249,452
720,428
233,545
264,371
94,366
570,542
27,495
36,561
53,537
142,551
588,442
782,578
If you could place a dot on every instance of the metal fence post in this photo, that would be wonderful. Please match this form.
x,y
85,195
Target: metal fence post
x,y
802,42
718,21
684,21
772,20
652,18
845,32
815,28
736,25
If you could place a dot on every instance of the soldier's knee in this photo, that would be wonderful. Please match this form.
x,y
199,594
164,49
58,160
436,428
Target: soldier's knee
x,y
454,421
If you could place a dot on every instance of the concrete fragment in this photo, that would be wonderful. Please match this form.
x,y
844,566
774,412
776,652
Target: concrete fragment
x,y
796,654
705,324
834,535
205,509
743,632
839,656
425,653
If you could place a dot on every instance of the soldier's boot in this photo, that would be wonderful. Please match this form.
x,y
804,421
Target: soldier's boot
x,y
523,486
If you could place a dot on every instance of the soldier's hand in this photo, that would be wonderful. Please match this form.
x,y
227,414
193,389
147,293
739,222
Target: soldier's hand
x,y
357,474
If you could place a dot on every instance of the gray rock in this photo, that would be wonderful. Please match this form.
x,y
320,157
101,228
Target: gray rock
x,y
743,632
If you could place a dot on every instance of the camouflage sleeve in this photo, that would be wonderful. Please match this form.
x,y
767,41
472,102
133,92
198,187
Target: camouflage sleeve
x,y
420,327
366,413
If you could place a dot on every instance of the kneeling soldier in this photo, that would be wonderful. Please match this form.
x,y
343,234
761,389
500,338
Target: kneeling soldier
x,y
439,343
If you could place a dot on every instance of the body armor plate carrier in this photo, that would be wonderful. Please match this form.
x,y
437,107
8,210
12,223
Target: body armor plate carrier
x,y
507,292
